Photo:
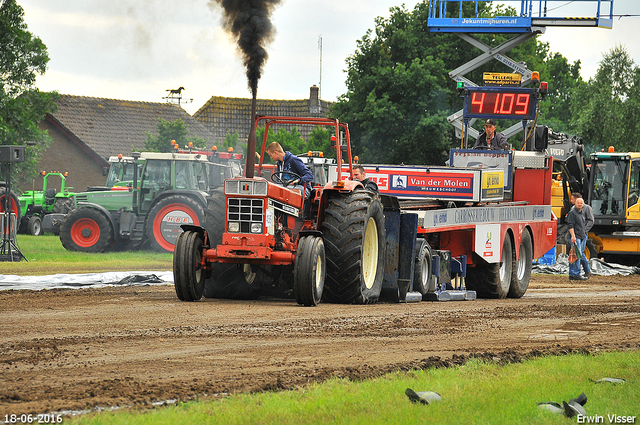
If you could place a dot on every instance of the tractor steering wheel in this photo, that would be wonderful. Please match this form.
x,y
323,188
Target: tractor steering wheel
x,y
276,177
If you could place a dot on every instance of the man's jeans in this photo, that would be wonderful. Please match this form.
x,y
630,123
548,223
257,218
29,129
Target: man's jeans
x,y
574,268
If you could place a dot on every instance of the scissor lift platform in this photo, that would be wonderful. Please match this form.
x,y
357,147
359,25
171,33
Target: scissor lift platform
x,y
452,16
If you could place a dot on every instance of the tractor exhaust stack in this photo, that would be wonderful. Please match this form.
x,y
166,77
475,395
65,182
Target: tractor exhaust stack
x,y
251,143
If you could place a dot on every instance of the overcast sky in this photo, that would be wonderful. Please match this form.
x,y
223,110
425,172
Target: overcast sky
x,y
137,49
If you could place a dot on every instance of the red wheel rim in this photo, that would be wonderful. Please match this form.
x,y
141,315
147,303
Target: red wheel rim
x,y
166,224
79,238
14,208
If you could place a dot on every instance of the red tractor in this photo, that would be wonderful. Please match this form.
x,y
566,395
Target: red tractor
x,y
330,246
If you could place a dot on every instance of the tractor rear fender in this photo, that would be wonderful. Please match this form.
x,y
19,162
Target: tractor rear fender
x,y
105,212
328,191
198,196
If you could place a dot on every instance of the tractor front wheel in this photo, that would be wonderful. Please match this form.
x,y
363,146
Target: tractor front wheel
x,y
188,276
86,230
35,226
309,271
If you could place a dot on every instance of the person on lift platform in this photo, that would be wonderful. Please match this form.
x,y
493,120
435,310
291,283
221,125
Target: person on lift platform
x,y
489,139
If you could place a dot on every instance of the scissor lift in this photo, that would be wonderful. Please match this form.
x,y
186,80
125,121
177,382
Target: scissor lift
x,y
449,16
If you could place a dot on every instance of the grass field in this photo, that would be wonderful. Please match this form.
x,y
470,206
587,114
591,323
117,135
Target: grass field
x,y
476,393
46,255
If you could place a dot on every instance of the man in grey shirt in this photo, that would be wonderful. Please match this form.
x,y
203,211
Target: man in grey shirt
x,y
576,222
588,224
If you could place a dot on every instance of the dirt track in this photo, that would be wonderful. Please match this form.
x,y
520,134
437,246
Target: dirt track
x,y
79,348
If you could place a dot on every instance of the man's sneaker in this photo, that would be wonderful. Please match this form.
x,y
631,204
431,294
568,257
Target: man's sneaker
x,y
587,275
577,277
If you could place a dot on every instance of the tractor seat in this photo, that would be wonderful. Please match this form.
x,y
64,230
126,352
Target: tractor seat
x,y
50,196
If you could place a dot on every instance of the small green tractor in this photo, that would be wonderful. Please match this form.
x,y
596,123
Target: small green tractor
x,y
36,204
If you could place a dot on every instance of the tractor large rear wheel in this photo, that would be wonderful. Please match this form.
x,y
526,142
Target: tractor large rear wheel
x,y
14,203
86,230
493,280
354,241
166,217
63,205
188,276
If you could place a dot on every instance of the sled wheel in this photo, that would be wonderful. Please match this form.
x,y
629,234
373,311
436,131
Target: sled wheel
x,y
166,217
423,271
521,273
309,271
86,230
188,276
493,280
354,241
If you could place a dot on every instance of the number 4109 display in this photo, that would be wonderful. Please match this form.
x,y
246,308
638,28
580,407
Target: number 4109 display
x,y
500,104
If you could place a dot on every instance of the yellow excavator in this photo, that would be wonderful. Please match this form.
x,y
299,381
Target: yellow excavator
x,y
610,184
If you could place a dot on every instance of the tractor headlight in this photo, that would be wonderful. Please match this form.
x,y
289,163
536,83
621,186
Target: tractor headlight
x,y
256,227
231,187
246,187
260,188
234,227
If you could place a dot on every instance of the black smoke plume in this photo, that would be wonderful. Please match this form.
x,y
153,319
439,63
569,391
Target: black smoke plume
x,y
249,21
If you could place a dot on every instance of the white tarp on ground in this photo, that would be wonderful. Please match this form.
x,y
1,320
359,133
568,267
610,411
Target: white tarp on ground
x,y
597,266
101,280
86,280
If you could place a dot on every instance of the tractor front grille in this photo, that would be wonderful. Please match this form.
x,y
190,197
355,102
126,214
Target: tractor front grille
x,y
245,211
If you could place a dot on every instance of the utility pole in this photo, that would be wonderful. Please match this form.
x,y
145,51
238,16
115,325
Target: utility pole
x,y
320,83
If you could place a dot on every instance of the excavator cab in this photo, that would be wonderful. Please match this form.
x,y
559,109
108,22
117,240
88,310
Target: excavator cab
x,y
609,186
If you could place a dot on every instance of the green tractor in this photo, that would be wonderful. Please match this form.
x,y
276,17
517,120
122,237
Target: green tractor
x,y
151,196
36,204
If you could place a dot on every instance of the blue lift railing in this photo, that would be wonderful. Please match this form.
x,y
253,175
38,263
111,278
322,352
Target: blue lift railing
x,y
449,16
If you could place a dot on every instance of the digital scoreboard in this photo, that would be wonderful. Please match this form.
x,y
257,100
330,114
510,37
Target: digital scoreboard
x,y
500,102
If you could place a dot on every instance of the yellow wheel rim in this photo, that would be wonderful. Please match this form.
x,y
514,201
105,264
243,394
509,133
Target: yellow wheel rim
x,y
370,254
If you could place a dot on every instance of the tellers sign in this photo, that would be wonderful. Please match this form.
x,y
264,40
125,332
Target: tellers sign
x,y
511,103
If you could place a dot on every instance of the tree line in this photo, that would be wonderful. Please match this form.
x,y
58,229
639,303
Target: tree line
x,y
399,93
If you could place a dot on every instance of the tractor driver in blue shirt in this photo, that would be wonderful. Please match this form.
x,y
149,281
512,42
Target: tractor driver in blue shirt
x,y
288,162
